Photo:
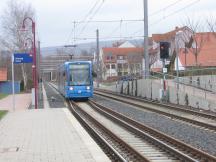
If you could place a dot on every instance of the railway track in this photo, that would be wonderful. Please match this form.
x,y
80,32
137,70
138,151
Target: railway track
x,y
134,141
203,120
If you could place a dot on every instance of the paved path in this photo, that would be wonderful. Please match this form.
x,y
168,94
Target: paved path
x,y
44,135
22,102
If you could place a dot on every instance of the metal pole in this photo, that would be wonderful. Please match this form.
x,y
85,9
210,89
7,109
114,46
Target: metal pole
x,y
164,78
39,61
13,91
35,66
98,70
146,53
185,57
177,66
39,73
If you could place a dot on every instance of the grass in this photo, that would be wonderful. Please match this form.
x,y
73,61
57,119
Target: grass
x,y
3,95
2,113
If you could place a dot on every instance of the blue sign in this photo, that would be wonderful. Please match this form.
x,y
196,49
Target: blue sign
x,y
22,58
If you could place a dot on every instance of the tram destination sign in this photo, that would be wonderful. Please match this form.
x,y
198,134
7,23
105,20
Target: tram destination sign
x,y
20,58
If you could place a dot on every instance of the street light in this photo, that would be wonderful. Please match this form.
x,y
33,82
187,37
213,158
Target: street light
x,y
31,52
34,57
32,44
178,36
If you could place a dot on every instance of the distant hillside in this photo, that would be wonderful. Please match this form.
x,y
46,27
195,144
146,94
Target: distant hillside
x,y
89,47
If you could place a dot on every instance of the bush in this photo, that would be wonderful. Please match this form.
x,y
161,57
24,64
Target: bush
x,y
22,85
29,84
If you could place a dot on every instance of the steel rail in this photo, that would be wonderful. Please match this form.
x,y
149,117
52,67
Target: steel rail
x,y
132,155
170,141
121,99
168,106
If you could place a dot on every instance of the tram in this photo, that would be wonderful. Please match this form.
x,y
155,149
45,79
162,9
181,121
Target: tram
x,y
74,79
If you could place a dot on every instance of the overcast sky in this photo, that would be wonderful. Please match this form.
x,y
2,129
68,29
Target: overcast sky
x,y
54,18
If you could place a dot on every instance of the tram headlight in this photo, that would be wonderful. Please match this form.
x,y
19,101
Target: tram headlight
x,y
88,87
71,88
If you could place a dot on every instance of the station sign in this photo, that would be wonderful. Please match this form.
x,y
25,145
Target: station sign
x,y
20,58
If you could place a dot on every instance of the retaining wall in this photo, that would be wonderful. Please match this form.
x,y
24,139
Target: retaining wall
x,y
148,88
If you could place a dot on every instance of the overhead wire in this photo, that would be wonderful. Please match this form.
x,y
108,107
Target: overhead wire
x,y
154,13
84,19
109,21
171,14
103,38
137,20
165,8
92,16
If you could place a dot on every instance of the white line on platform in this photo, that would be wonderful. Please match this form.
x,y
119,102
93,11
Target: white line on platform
x,y
95,150
45,100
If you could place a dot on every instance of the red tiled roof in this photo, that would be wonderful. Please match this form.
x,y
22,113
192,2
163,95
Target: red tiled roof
x,y
122,51
3,74
168,35
207,55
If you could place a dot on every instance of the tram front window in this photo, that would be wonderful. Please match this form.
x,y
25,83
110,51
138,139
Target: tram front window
x,y
79,74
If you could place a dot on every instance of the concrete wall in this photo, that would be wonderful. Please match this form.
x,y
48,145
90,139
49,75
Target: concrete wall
x,y
207,82
147,88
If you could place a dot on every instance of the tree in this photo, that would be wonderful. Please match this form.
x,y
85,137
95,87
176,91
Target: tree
x,y
212,25
12,39
199,39
153,57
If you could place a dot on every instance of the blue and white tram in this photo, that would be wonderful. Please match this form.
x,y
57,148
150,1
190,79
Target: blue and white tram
x,y
75,79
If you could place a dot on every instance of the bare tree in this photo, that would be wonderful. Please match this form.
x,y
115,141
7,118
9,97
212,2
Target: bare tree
x,y
199,38
12,39
153,57
212,25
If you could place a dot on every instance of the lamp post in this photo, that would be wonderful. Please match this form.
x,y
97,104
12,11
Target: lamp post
x,y
34,57
31,52
29,39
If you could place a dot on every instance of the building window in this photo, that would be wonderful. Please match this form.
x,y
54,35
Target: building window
x,y
120,57
125,66
119,66
113,66
119,73
108,66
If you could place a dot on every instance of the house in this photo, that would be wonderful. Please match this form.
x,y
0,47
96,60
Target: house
x,y
177,38
120,61
204,45
3,74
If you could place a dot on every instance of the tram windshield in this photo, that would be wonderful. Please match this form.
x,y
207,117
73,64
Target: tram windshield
x,y
79,74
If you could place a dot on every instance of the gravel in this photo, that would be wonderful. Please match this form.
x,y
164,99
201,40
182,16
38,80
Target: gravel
x,y
197,137
55,99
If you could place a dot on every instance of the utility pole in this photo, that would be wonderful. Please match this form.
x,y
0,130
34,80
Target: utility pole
x,y
146,53
13,91
98,67
39,72
38,61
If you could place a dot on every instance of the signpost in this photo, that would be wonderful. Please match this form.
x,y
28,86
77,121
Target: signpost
x,y
164,54
22,58
19,58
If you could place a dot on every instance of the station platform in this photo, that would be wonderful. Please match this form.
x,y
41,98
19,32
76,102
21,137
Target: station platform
x,y
46,135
